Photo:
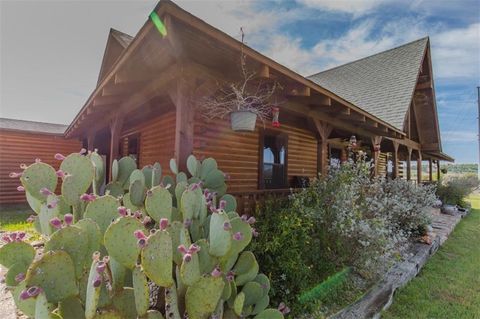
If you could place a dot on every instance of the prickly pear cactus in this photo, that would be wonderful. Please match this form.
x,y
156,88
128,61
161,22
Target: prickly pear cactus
x,y
104,250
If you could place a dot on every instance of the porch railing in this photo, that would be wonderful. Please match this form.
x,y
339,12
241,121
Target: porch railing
x,y
248,201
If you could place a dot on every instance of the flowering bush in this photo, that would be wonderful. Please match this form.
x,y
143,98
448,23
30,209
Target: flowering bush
x,y
453,189
343,220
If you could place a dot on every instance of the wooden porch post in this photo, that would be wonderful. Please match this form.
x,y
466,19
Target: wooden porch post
x,y
395,159
91,141
430,170
419,167
409,164
181,95
376,141
438,170
116,125
324,131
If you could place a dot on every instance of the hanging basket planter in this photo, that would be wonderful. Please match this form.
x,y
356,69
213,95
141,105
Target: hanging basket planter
x,y
243,121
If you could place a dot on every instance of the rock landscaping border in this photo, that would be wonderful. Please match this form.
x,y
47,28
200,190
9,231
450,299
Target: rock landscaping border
x,y
380,297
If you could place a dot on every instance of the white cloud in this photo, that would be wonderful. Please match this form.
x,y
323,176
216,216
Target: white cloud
x,y
355,7
459,136
456,52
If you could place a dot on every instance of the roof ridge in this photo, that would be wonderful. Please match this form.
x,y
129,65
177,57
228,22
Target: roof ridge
x,y
370,56
30,121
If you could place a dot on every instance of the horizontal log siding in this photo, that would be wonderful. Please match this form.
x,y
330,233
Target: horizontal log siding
x,y
302,152
23,147
157,141
237,153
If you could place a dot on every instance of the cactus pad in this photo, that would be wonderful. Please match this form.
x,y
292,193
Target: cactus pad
x,y
102,211
120,242
71,308
92,292
27,306
16,252
238,304
159,204
140,290
192,165
38,176
124,303
67,239
220,239
114,177
208,165
202,298
190,271
240,226
114,189
34,202
55,273
137,192
246,268
99,167
80,169
13,271
42,307
207,262
157,258
253,292
231,202
126,165
92,236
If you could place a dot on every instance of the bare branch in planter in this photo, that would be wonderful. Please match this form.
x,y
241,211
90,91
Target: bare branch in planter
x,y
241,96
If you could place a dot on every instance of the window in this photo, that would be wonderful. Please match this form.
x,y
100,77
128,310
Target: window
x,y
273,168
130,146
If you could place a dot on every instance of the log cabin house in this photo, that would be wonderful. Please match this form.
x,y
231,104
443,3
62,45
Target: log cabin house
x,y
146,105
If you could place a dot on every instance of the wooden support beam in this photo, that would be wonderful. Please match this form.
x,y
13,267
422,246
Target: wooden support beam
x,y
181,95
324,130
430,170
419,167
299,91
304,110
406,142
376,142
438,171
115,126
409,163
264,72
395,160
91,141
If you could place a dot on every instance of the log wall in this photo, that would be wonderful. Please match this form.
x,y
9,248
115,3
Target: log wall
x,y
157,140
237,153
18,147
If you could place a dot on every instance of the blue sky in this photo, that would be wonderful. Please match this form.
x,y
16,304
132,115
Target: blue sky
x,y
56,56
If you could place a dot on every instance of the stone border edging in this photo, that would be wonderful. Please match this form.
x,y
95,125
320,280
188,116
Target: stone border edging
x,y
380,297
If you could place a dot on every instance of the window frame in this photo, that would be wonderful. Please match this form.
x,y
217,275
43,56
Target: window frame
x,y
261,145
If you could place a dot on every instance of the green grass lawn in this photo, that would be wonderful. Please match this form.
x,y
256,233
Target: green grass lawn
x,y
449,285
15,220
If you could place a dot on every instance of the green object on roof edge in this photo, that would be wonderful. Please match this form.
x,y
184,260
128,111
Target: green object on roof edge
x,y
158,23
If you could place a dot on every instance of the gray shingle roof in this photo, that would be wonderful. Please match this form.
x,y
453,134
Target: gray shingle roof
x,y
381,84
30,126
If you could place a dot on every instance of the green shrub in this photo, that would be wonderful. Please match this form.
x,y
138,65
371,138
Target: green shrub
x,y
285,250
343,220
453,189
